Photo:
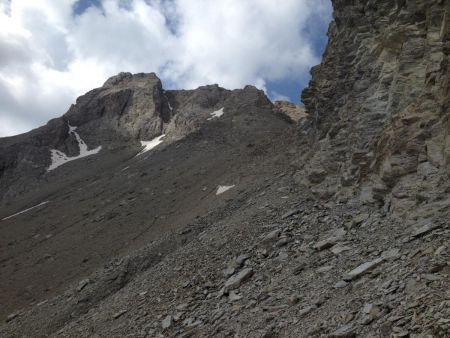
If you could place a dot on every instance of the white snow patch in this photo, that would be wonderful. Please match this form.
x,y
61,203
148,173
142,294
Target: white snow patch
x,y
216,114
59,158
222,188
24,211
149,145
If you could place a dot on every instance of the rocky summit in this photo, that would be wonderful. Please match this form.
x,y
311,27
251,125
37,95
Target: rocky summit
x,y
145,212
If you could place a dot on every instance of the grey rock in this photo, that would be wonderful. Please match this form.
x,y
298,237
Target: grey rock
x,y
325,244
424,229
359,89
236,280
329,242
119,314
167,322
324,269
290,213
240,260
341,284
391,254
295,113
283,242
362,269
82,284
271,237
191,322
347,331
11,317
299,268
229,271
306,310
233,296
358,219
338,249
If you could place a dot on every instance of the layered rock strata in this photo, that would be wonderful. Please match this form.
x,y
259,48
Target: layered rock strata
x,y
379,104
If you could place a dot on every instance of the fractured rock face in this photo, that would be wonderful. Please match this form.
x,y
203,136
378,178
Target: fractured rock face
x,y
294,112
379,101
126,106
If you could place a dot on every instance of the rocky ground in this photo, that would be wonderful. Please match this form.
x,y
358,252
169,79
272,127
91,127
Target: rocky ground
x,y
269,263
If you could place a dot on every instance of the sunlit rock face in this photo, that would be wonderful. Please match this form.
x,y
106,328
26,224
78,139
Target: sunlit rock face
x,y
379,104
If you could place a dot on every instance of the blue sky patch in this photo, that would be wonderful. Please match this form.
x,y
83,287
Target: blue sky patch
x,y
82,5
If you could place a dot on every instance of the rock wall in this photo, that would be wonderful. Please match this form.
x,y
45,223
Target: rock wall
x,y
379,104
126,107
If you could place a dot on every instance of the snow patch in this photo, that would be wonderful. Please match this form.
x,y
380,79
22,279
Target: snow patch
x,y
149,145
217,114
222,188
26,210
59,158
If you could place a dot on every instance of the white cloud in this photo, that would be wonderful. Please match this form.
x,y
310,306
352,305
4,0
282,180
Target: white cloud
x,y
49,56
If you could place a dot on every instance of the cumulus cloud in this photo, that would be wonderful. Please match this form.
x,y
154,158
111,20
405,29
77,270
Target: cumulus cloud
x,y
53,51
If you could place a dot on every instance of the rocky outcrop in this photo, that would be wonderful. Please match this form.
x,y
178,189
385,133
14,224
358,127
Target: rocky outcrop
x,y
294,112
379,104
127,109
191,108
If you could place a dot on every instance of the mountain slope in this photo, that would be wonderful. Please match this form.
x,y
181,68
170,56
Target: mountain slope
x,y
105,204
336,226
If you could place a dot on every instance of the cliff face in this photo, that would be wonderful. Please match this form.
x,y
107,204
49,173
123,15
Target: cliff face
x,y
379,104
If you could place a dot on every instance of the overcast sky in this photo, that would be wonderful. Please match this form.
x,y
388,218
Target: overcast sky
x,y
52,51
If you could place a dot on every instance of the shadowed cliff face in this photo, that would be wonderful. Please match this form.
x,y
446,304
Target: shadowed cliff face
x,y
379,104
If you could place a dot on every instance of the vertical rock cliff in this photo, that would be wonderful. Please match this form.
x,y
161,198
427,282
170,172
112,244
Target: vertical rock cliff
x,y
379,104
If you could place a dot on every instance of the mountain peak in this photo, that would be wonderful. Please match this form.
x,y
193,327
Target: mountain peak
x,y
127,79
128,110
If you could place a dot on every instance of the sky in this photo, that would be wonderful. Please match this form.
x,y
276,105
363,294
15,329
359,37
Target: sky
x,y
52,51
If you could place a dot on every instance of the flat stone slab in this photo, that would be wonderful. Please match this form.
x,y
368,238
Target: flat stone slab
x,y
290,213
347,331
424,229
325,244
362,269
237,279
